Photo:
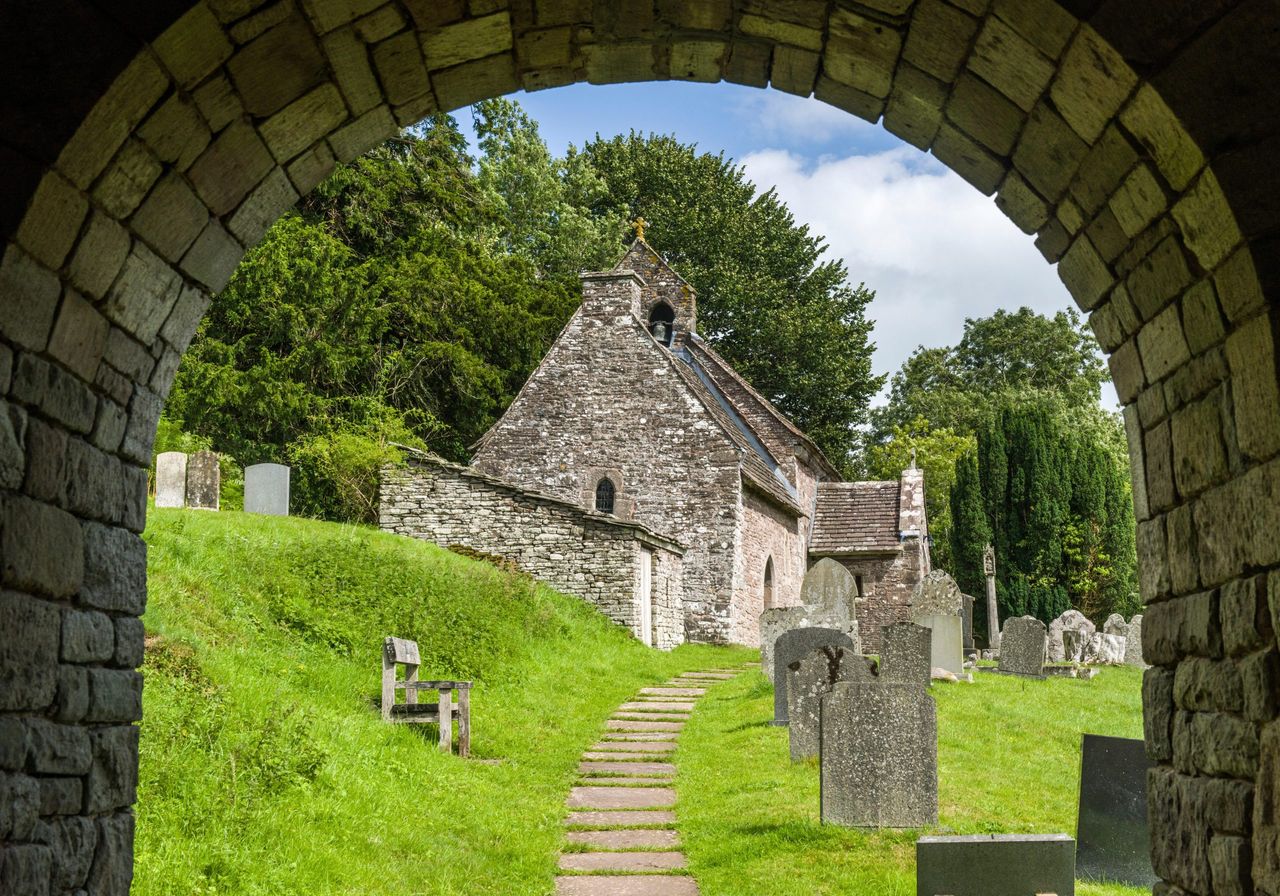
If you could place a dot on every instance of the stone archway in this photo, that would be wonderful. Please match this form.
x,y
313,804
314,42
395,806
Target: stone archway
x,y
146,145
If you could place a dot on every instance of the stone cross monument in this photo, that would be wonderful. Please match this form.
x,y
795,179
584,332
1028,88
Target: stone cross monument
x,y
993,617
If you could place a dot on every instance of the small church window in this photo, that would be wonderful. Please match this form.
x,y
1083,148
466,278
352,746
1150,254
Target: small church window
x,y
604,496
662,322
768,583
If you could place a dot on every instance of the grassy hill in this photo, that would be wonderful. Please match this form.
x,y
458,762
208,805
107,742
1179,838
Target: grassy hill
x,y
265,767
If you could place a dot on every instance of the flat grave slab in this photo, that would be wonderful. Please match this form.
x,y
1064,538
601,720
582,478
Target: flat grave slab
x,y
616,819
657,706
996,865
621,798
626,768
1111,826
673,692
622,861
622,781
630,725
652,716
639,735
632,885
635,839
632,747
708,676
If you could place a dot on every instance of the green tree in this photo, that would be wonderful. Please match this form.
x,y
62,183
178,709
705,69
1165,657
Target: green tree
x,y
767,299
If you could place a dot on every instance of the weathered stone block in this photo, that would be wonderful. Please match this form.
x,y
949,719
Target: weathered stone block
x,y
399,64
115,695
72,700
113,776
861,52
212,259
851,100
176,133
132,174
41,549
1155,126
1215,744
180,326
1179,830
914,111
51,224
54,749
1256,398
1246,619
1238,287
1208,685
19,808
129,639
143,295
60,796
1009,62
1139,201
1048,153
303,122
1158,709
1162,344
1023,206
1199,457
1086,276
72,841
26,868
79,337
362,134
468,40
794,70
967,159
193,47
1092,83
1260,680
330,15
1207,223
938,39
28,299
1184,626
112,870
230,168
115,569
98,258
277,68
983,113
804,36
87,636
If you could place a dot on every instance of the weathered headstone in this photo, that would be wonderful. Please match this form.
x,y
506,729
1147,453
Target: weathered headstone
x,y
1104,650
1073,644
968,623
203,481
879,756
773,623
946,642
905,650
830,591
1071,619
266,489
936,595
1111,827
809,678
1022,647
996,865
791,647
1115,625
1133,644
171,479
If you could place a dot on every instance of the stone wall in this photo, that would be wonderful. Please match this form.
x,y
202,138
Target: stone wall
x,y
766,532
585,554
582,410
887,582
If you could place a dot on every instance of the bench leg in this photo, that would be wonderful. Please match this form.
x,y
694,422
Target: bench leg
x,y
446,720
464,722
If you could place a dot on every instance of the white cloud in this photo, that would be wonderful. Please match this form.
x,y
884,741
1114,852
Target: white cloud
x,y
933,248
782,117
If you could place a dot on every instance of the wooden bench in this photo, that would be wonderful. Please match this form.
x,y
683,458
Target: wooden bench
x,y
401,652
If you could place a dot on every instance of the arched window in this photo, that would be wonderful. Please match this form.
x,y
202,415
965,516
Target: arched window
x,y
604,496
662,322
768,583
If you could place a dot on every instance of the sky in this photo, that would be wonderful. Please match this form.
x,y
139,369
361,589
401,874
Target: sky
x,y
933,248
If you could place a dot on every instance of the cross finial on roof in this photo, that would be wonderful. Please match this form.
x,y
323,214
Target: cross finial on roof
x,y
640,224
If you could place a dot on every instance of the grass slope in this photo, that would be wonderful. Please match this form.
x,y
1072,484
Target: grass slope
x,y
265,768
1008,762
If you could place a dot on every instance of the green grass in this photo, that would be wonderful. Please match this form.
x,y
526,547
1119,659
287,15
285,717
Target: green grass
x,y
265,768
1008,762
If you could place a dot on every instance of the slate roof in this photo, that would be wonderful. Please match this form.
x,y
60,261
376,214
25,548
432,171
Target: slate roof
x,y
856,517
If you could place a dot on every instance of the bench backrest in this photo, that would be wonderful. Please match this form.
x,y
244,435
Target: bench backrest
x,y
400,650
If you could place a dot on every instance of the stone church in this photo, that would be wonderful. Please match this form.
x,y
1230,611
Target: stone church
x,y
638,470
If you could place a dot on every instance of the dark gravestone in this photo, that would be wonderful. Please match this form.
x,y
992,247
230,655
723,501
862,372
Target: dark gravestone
x,y
996,864
790,648
203,481
905,650
879,756
812,677
968,623
1022,647
1115,843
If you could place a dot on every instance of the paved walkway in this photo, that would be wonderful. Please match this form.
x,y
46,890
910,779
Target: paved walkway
x,y
622,817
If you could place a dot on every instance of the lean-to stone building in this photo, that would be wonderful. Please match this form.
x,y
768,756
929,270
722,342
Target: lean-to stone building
x,y
631,421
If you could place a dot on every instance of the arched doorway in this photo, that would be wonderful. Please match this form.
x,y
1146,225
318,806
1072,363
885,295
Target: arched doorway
x,y
144,151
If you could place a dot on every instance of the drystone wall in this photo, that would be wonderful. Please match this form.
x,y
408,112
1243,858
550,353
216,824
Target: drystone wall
x,y
607,395
584,554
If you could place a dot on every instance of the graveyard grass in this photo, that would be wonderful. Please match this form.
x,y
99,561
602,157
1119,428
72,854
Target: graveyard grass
x,y
265,767
1008,762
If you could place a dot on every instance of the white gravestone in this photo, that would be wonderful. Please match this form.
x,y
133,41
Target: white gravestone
x,y
266,489
171,479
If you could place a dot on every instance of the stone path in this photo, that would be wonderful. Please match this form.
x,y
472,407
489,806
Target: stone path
x,y
622,820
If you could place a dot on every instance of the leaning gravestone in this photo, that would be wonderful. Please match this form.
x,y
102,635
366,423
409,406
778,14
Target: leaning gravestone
x,y
1111,827
905,650
996,865
266,489
809,679
968,623
791,647
879,756
1133,644
203,481
171,479
1022,647
1074,620
946,642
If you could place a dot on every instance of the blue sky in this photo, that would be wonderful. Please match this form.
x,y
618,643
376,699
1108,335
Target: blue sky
x,y
933,248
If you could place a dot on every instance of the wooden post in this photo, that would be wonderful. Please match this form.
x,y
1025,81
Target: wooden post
x,y
411,677
464,722
446,720
388,682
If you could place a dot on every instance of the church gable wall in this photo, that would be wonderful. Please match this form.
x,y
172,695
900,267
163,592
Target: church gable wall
x,y
572,551
767,532
887,583
606,396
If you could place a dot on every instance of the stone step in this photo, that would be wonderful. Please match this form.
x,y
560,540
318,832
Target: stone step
x,y
632,747
622,819
625,839
626,768
639,735
618,757
652,716
672,692
707,676
622,861
658,706
630,725
634,885
621,798
624,781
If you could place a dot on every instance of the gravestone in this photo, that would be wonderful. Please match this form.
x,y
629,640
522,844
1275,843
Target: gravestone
x,y
996,865
171,479
937,594
1104,650
1111,827
1115,625
204,481
814,675
946,642
905,650
1133,644
968,623
1073,644
829,597
266,489
1022,647
879,756
791,647
1071,619
773,623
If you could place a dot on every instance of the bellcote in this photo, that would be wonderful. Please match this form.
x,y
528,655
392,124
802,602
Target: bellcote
x,y
667,302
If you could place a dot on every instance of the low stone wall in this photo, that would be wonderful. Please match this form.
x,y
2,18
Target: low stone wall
x,y
589,555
